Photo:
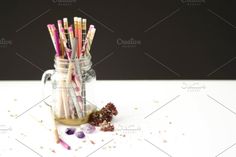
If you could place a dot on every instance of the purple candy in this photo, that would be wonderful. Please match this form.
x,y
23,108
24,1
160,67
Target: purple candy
x,y
88,128
80,134
70,131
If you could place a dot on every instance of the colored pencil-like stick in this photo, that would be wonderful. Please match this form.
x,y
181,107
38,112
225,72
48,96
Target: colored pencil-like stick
x,y
79,37
56,37
55,131
76,26
64,144
52,38
68,43
84,29
89,40
71,35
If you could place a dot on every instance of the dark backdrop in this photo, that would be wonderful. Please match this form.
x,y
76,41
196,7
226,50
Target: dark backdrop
x,y
149,39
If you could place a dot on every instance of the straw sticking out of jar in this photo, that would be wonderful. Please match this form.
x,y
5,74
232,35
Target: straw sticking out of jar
x,y
72,67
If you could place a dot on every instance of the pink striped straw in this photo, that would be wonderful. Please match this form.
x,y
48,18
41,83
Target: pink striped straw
x,y
56,39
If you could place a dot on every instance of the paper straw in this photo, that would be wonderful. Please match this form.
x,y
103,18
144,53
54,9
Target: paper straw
x,y
79,37
65,100
63,39
71,35
65,22
68,43
87,39
55,33
84,27
89,42
55,131
75,42
76,26
74,99
64,144
59,24
83,95
71,64
53,38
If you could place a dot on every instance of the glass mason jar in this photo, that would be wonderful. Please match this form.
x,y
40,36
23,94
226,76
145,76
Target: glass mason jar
x,y
68,91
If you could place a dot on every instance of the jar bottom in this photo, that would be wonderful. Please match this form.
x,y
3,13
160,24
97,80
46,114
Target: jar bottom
x,y
78,121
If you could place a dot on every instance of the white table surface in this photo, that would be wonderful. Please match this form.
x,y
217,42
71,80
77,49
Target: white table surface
x,y
161,118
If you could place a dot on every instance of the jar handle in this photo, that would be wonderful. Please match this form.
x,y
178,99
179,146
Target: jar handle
x,y
46,75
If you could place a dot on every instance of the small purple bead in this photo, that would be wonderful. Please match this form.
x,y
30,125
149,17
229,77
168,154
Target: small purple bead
x,y
88,128
80,134
70,131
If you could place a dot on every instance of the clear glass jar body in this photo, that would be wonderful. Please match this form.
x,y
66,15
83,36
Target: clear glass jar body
x,y
68,98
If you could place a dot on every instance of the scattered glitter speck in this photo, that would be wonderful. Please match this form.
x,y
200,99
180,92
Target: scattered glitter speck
x,y
170,122
164,141
92,142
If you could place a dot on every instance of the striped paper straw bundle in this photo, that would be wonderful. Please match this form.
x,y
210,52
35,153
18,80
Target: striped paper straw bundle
x,y
71,42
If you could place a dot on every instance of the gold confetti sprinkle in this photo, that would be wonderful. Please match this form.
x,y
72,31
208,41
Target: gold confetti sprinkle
x,y
92,142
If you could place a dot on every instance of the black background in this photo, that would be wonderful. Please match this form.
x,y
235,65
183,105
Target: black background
x,y
183,39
